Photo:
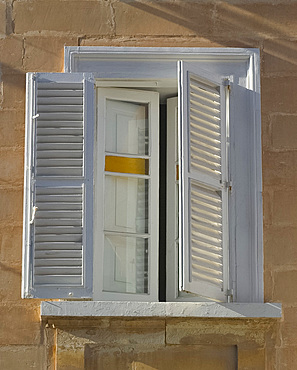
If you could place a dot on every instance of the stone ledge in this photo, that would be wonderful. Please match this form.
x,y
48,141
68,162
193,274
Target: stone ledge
x,y
159,309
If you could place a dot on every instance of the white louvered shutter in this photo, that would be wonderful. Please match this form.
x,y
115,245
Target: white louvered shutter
x,y
203,185
58,194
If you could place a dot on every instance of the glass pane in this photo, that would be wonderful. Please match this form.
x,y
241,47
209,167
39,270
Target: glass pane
x,y
125,264
126,204
126,127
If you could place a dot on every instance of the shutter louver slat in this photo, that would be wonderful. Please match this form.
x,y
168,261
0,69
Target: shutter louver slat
x,y
62,196
206,229
208,136
57,108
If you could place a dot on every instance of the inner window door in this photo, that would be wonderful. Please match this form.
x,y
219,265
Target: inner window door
x,y
126,247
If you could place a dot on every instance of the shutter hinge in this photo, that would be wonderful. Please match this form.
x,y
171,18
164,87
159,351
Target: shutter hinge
x,y
227,83
229,295
33,214
227,184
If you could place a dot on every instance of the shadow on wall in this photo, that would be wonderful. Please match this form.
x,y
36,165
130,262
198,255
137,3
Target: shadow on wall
x,y
261,25
141,357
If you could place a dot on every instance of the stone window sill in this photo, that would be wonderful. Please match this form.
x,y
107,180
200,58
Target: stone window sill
x,y
159,309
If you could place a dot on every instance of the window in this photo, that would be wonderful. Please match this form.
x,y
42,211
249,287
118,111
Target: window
x,y
91,200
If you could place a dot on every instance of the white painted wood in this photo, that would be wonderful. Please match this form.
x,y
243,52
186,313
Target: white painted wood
x,y
58,209
203,173
161,309
172,201
113,289
242,67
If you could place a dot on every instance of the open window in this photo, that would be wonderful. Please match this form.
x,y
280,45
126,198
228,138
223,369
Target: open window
x,y
91,204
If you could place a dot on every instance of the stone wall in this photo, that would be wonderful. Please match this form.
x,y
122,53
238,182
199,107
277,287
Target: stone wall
x,y
32,36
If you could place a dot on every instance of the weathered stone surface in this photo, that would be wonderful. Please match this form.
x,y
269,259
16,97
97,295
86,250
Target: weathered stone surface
x,y
268,285
279,57
284,208
13,91
256,20
22,357
215,332
10,276
79,17
288,326
253,358
284,131
11,206
165,358
120,332
285,286
11,166
151,41
12,128
267,207
46,54
278,94
282,239
277,168
20,324
2,19
32,39
163,18
10,242
286,358
11,61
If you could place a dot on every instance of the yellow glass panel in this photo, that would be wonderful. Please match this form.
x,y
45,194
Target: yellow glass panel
x,y
139,166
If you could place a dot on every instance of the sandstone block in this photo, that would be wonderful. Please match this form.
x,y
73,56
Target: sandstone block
x,y
118,332
20,324
12,128
267,207
11,206
288,326
46,54
2,19
256,20
286,357
79,17
278,94
279,57
166,358
163,18
285,286
10,277
251,358
284,208
284,131
10,245
277,168
280,246
11,166
216,332
266,131
22,357
268,286
14,86
11,51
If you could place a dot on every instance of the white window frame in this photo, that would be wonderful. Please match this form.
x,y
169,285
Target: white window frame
x,y
154,67
242,68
